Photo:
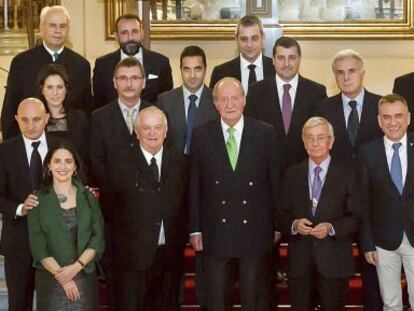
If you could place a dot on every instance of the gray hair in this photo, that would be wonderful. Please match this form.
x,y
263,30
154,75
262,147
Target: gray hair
x,y
315,121
348,53
151,109
227,79
54,8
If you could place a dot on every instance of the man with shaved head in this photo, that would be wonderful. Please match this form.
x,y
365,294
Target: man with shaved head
x,y
25,67
233,199
21,161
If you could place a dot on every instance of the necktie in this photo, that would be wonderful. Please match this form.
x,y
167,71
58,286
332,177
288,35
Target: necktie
x,y
154,169
36,166
55,56
192,109
130,119
252,74
231,147
286,107
353,122
316,188
396,171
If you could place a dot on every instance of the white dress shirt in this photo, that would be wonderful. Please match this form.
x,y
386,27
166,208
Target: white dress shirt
x,y
238,131
51,52
245,71
187,93
292,91
389,151
347,109
124,107
158,158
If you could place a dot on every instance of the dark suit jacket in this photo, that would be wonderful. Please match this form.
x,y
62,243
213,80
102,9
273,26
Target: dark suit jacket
x,y
109,136
263,104
332,110
154,64
234,210
387,214
172,103
22,83
338,205
15,186
232,69
404,86
142,203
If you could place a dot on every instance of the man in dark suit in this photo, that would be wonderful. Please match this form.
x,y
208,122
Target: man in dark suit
x,y
286,100
129,35
319,216
233,199
353,126
20,174
25,67
151,225
251,65
187,107
112,130
353,115
386,172
404,85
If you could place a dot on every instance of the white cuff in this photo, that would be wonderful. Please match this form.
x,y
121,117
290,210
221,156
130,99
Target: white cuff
x,y
19,210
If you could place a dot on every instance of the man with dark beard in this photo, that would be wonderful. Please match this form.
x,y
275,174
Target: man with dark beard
x,y
129,35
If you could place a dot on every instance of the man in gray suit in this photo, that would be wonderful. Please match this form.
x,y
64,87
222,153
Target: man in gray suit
x,y
191,104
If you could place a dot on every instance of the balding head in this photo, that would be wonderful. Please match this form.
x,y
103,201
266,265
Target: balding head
x,y
32,118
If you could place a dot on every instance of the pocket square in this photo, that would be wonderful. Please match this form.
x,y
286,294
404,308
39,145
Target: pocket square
x,y
151,76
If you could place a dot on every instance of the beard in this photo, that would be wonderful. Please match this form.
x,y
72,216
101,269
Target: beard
x,y
131,48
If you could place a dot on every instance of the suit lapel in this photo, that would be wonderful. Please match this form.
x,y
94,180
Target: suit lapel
x,y
236,68
408,185
303,188
204,108
246,151
331,180
368,110
23,162
220,146
118,119
277,112
181,108
298,107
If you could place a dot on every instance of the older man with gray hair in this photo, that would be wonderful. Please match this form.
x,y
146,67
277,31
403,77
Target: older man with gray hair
x,y
22,79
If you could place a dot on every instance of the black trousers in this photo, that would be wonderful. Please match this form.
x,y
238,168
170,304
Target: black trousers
x,y
155,289
255,282
332,292
20,279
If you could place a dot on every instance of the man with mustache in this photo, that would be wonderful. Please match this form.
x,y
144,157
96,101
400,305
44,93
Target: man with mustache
x,y
129,35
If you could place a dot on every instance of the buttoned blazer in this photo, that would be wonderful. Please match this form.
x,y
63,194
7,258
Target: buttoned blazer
x,y
157,72
15,186
22,83
234,210
232,69
172,103
403,85
332,110
142,203
387,214
338,204
263,104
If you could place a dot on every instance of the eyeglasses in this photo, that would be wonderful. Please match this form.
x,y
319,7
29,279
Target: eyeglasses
x,y
318,139
125,79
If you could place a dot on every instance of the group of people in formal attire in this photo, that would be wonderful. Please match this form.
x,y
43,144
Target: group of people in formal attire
x,y
230,168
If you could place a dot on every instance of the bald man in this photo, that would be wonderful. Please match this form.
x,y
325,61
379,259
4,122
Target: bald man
x,y
21,161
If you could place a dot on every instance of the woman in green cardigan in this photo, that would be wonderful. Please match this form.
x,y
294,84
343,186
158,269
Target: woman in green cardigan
x,y
66,236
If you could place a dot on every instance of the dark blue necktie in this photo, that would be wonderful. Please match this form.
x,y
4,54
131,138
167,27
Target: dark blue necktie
x,y
396,170
192,109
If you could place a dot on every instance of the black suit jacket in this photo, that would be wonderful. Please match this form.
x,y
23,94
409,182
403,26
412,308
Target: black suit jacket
x,y
404,86
234,210
338,205
387,214
142,203
263,104
155,64
232,69
332,110
15,186
172,103
22,83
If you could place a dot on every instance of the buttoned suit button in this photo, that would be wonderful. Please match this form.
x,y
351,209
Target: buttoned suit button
x,y
250,183
223,202
244,202
245,221
217,182
223,220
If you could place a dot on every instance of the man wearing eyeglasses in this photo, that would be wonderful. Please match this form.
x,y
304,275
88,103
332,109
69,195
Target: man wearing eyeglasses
x,y
112,130
319,215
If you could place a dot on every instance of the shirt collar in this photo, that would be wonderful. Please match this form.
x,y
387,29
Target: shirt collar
x,y
293,83
137,56
389,142
238,126
50,51
359,99
148,156
187,93
28,142
122,106
258,62
324,165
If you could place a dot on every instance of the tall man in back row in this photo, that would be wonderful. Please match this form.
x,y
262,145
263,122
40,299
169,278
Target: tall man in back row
x,y
251,65
233,198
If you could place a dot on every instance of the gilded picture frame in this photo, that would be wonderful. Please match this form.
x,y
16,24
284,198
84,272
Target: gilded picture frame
x,y
384,21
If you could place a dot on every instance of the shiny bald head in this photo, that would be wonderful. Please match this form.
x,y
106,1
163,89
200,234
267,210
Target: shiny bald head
x,y
32,118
